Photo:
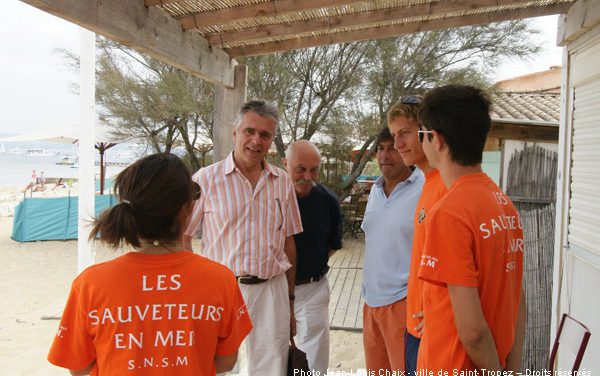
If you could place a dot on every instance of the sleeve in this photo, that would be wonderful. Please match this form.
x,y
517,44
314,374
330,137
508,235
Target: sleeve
x,y
73,346
337,225
236,323
293,221
449,252
198,210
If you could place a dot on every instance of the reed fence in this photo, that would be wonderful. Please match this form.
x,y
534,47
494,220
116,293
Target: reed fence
x,y
531,184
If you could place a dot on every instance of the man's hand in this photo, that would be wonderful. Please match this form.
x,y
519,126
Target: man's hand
x,y
292,320
419,328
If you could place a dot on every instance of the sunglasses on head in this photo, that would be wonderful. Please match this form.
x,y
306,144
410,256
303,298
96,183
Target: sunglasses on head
x,y
421,133
411,99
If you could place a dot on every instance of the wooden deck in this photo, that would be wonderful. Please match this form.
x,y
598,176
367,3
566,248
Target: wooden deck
x,y
345,280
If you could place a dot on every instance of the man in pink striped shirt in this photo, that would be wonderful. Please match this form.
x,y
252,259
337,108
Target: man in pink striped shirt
x,y
249,215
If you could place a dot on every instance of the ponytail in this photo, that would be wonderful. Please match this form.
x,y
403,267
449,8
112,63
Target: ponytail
x,y
117,225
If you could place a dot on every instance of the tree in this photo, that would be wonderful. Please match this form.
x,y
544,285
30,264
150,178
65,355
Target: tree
x,y
412,64
143,98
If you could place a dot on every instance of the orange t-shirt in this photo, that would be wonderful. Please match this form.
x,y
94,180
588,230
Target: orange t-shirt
x,y
142,314
433,190
474,238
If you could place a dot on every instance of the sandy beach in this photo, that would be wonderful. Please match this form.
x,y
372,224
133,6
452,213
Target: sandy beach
x,y
34,284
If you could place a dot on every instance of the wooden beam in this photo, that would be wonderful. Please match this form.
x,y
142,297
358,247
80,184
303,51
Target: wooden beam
x,y
271,8
507,131
394,30
353,19
150,3
227,104
581,17
149,30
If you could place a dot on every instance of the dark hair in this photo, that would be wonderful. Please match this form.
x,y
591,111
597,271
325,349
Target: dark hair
x,y
384,135
152,192
460,113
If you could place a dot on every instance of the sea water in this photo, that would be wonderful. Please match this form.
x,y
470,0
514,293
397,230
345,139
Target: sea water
x,y
18,159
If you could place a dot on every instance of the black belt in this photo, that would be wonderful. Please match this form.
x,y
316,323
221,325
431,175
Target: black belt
x,y
250,279
311,279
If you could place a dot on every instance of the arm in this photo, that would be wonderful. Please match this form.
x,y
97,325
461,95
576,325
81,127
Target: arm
x,y
337,226
419,328
290,250
473,331
83,372
513,361
225,363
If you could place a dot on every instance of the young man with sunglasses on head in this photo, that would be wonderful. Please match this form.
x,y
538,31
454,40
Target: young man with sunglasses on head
x,y
388,229
404,126
472,262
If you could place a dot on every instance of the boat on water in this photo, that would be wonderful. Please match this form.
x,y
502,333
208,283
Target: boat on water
x,y
66,161
39,153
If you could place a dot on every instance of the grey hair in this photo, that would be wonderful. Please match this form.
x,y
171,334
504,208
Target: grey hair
x,y
259,107
291,149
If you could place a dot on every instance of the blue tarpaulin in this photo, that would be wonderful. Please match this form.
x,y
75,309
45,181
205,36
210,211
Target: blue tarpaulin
x,y
51,218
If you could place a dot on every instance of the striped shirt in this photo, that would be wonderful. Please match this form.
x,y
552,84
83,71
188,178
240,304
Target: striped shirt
x,y
243,229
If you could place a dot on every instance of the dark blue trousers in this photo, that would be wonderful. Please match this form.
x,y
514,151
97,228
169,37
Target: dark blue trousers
x,y
411,344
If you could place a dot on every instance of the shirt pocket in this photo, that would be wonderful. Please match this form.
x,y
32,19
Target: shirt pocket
x,y
272,214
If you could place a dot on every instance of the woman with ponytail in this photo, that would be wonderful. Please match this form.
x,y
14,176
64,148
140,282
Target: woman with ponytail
x,y
160,309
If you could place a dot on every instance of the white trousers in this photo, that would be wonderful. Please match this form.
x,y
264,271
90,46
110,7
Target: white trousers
x,y
268,343
311,309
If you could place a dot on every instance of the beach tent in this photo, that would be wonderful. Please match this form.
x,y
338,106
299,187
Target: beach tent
x,y
51,218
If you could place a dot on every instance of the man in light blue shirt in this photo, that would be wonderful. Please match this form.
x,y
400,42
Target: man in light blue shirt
x,y
388,228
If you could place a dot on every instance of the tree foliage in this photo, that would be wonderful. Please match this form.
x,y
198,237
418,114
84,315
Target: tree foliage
x,y
412,64
142,98
337,96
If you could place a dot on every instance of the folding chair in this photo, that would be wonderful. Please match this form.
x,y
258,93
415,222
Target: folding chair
x,y
572,336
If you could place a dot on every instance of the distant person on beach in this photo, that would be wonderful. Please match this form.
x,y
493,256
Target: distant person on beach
x,y
160,309
59,183
41,180
388,228
32,182
472,261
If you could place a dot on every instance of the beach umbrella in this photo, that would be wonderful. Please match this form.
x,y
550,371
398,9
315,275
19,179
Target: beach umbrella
x,y
70,135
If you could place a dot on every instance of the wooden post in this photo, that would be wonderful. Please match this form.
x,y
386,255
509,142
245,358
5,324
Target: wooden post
x,y
85,253
227,105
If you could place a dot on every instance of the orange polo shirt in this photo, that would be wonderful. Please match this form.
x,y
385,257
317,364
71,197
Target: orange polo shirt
x,y
474,238
433,190
142,314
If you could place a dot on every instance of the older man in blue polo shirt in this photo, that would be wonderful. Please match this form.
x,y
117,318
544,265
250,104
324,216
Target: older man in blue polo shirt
x,y
388,228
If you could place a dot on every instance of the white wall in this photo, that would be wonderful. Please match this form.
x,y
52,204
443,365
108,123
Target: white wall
x,y
577,261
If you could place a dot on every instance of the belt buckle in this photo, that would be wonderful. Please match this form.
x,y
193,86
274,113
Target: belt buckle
x,y
244,278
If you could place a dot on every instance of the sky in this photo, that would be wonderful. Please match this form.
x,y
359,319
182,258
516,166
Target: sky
x,y
35,84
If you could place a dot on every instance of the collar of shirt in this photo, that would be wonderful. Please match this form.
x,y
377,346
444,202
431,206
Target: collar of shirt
x,y
411,179
230,166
